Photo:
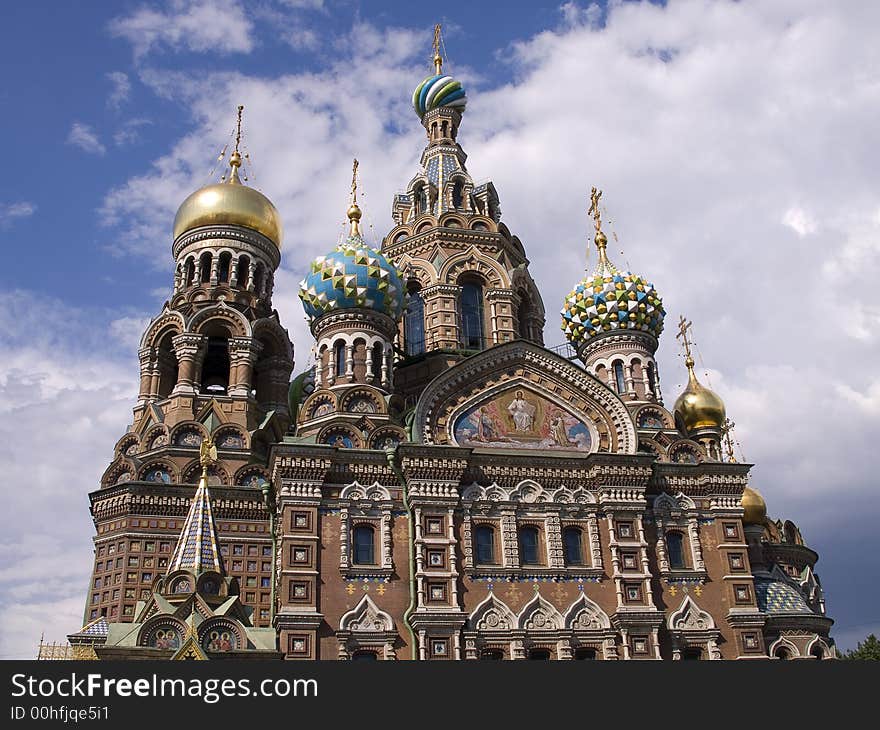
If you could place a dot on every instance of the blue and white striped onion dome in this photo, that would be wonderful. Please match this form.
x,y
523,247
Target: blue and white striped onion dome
x,y
436,91
353,276
611,300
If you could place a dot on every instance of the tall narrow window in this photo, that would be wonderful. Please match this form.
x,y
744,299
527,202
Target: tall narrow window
x,y
523,315
457,194
528,546
675,548
378,353
225,264
485,537
363,545
215,369
206,260
652,379
472,315
618,377
241,272
189,272
574,554
339,354
414,322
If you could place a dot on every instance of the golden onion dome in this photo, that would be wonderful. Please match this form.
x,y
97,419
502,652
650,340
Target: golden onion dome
x,y
698,407
229,203
754,507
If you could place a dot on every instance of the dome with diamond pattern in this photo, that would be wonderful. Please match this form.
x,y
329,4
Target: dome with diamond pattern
x,y
353,276
610,300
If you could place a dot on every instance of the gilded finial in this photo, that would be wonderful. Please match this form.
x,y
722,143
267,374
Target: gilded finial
x,y
207,455
354,211
600,239
726,429
438,59
235,157
683,327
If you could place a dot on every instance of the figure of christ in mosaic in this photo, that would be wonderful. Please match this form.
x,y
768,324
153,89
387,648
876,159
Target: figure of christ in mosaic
x,y
521,420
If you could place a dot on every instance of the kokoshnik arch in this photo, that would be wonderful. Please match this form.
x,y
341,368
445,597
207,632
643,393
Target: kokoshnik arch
x,y
439,485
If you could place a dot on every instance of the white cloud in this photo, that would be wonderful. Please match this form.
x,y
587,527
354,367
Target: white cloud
x,y
11,212
222,26
121,89
83,136
129,132
800,221
66,394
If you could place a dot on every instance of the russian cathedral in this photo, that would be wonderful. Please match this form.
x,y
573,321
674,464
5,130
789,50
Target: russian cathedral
x,y
436,483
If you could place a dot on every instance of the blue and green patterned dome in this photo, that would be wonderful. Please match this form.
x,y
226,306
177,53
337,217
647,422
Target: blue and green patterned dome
x,y
353,276
611,300
436,91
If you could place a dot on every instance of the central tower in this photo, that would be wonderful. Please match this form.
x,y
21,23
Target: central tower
x,y
466,276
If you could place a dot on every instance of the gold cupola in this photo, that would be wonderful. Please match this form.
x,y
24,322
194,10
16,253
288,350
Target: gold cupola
x,y
230,203
697,408
754,507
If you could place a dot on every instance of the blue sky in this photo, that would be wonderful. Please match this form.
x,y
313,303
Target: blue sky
x,y
736,143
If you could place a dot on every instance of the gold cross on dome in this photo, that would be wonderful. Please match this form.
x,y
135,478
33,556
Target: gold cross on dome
x,y
354,181
728,439
594,209
238,127
683,327
438,59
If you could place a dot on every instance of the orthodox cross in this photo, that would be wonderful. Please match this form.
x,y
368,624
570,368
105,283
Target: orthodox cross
x,y
438,60
354,181
238,127
594,209
683,327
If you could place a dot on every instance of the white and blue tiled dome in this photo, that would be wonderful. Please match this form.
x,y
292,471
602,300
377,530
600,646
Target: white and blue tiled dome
x,y
353,276
436,91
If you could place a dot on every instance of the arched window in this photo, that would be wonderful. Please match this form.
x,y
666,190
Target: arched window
x,y
692,654
472,314
258,279
378,353
339,355
241,272
205,261
168,366
215,370
364,656
189,272
457,194
618,377
491,655
782,653
574,554
485,538
414,322
675,548
364,552
523,315
225,264
652,379
528,545
541,655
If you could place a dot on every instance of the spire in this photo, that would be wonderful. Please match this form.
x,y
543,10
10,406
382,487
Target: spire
x,y
438,59
604,267
197,549
235,157
354,211
683,327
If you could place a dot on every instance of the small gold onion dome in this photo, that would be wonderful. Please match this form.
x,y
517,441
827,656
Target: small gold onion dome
x,y
698,407
229,203
754,507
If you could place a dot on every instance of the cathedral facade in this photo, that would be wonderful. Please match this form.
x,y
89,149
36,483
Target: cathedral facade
x,y
438,485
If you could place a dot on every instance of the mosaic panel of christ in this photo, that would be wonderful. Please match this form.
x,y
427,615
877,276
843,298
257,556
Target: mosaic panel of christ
x,y
520,419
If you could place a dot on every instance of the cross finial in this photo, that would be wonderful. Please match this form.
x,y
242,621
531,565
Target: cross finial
x,y
728,439
594,209
238,127
354,181
683,327
438,59
354,211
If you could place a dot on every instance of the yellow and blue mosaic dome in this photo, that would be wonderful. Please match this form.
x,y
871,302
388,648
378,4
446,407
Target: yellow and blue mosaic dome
x,y
353,276
436,91
611,300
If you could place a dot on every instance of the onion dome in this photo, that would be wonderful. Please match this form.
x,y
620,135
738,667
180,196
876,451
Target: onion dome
x,y
754,507
353,276
436,91
229,203
609,300
698,407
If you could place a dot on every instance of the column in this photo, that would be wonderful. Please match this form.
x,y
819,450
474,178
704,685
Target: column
x,y
243,353
145,357
189,349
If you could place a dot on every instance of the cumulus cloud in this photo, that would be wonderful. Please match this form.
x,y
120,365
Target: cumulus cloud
x,y
130,132
11,212
83,136
66,393
204,25
121,89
